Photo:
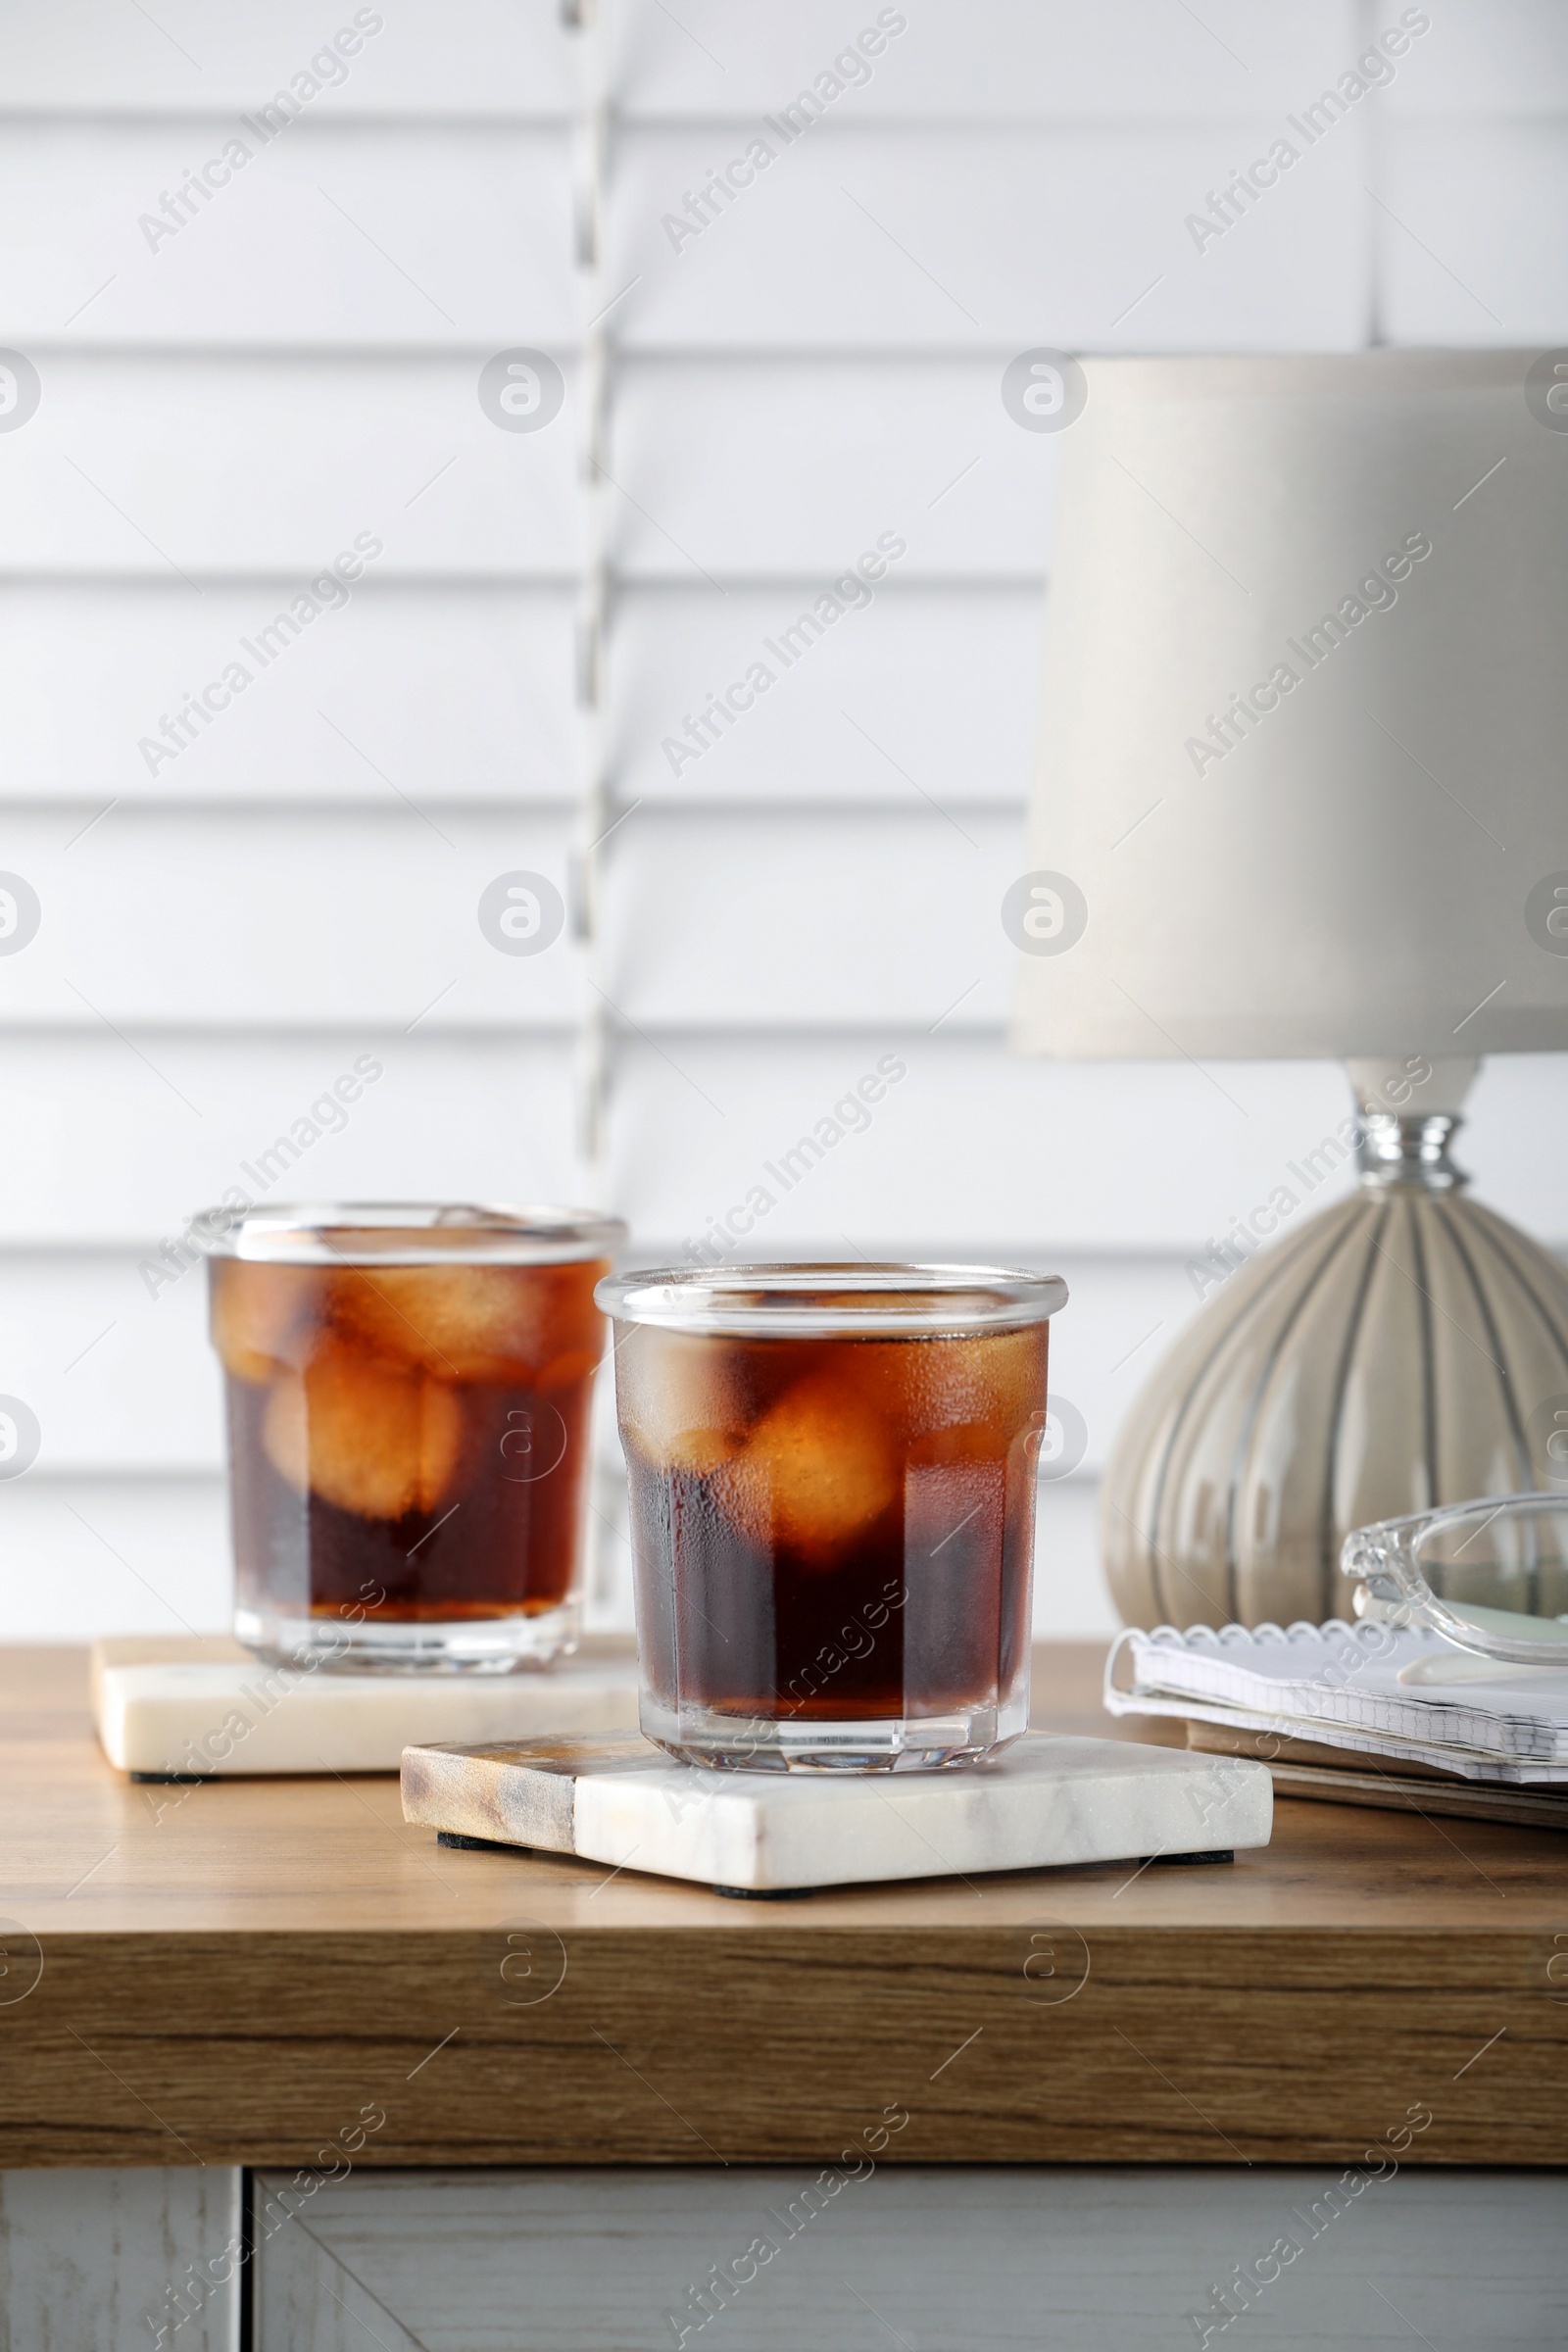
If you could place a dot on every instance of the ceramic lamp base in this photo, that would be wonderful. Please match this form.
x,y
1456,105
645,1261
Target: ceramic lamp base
x,y
1405,1349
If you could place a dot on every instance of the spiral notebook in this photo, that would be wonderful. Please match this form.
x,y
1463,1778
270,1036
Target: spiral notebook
x,y
1396,1693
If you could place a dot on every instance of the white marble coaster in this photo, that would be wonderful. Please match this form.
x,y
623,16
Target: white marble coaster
x,y
227,1715
624,1802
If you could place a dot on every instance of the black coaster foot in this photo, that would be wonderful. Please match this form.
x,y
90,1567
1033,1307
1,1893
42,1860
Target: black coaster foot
x,y
175,1780
765,1895
480,1845
1223,1854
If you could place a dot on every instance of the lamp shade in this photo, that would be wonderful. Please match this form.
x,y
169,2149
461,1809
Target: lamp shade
x,y
1302,784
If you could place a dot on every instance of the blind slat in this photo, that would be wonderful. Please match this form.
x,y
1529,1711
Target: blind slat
x,y
196,55
174,466
281,1116
1472,240
983,237
450,691
868,711
225,229
253,915
988,60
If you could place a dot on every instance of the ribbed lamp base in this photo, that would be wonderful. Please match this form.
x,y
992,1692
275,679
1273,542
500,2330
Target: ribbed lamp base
x,y
1405,1349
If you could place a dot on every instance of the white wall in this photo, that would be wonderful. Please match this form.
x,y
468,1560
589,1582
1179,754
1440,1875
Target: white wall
x,y
298,364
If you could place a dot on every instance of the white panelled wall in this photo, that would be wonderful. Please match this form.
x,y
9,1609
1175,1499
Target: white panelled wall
x,y
292,371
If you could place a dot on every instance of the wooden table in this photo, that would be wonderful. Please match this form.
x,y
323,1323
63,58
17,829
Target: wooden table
x,y
232,1971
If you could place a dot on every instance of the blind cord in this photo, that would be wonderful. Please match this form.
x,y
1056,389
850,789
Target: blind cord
x,y
590,151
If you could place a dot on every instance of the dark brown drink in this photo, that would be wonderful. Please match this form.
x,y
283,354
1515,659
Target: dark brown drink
x,y
832,1535
408,1443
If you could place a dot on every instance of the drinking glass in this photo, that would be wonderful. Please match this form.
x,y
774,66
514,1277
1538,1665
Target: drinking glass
x,y
408,1391
832,1508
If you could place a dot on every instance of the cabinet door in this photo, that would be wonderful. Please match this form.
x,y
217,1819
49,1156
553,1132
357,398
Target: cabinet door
x,y
120,2256
935,2259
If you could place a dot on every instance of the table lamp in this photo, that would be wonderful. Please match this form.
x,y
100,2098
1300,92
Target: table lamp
x,y
1302,792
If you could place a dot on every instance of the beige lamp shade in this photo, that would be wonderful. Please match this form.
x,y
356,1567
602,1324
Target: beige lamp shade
x,y
1304,759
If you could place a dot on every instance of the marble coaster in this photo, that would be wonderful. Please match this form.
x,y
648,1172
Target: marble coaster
x,y
1046,1799
211,1709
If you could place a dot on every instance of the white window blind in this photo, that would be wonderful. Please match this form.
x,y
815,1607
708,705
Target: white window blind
x,y
781,259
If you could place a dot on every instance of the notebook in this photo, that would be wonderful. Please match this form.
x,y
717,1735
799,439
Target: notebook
x,y
1379,1691
1343,1776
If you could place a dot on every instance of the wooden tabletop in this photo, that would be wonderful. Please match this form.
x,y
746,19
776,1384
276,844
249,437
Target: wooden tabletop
x,y
232,1972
